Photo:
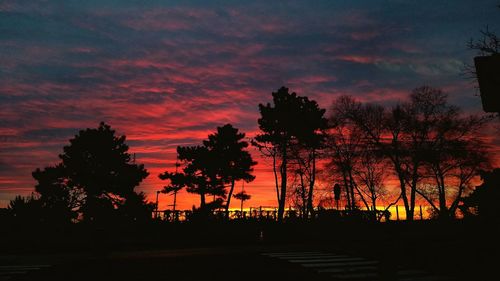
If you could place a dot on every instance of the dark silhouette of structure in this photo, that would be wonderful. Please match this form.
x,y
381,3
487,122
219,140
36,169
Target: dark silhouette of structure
x,y
484,199
488,76
487,69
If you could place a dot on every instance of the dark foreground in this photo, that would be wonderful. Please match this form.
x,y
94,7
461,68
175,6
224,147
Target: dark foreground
x,y
460,250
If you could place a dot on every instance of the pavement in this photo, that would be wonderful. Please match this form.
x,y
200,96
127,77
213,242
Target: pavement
x,y
252,262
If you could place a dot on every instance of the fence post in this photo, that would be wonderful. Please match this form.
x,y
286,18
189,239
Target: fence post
x,y
397,212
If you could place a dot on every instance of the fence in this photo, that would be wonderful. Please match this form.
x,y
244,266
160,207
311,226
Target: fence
x,y
271,214
256,214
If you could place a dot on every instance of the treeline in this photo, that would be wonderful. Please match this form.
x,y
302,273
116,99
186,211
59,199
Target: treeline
x,y
428,147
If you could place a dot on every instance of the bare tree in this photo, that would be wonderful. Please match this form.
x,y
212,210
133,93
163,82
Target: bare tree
x,y
488,44
371,174
455,155
406,135
354,135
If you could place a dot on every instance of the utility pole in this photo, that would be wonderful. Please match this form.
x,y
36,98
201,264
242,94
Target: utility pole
x,y
156,212
175,199
177,165
242,189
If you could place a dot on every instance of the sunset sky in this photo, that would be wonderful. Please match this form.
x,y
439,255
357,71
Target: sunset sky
x,y
167,74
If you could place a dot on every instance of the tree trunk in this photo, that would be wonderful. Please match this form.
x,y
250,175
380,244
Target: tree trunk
x,y
443,210
351,189
403,194
283,170
410,213
175,200
347,193
374,208
303,196
202,201
402,185
454,205
312,181
395,159
229,196
276,178
351,180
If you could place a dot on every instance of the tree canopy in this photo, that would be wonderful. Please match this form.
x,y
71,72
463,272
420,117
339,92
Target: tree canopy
x,y
291,119
95,179
208,168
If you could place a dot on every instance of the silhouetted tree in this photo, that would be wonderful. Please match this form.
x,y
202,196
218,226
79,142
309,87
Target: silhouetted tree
x,y
96,178
433,131
199,175
371,173
26,209
242,196
488,44
290,120
234,163
453,157
345,141
305,153
413,133
415,122
135,208
176,184
98,162
59,198
353,156
297,193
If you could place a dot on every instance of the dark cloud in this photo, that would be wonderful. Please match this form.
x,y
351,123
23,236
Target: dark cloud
x,y
50,133
166,74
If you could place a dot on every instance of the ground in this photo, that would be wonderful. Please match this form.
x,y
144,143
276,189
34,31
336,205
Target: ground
x,y
458,251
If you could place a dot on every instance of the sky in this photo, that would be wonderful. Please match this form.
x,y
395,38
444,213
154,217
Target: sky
x,y
167,73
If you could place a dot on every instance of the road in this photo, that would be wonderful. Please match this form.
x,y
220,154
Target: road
x,y
286,262
406,252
